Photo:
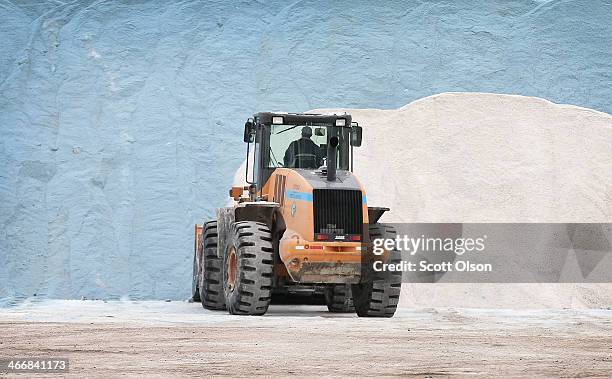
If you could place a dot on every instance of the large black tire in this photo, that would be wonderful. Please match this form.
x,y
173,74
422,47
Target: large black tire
x,y
379,298
247,277
195,286
339,298
211,281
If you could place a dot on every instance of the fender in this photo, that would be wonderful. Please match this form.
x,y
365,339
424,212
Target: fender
x,y
375,213
260,211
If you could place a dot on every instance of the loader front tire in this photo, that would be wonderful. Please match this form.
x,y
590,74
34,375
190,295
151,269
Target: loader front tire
x,y
211,279
379,298
339,298
247,269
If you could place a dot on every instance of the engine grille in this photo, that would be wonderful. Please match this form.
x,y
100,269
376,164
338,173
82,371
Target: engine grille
x,y
338,212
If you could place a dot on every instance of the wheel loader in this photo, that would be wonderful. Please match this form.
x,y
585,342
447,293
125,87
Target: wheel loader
x,y
299,224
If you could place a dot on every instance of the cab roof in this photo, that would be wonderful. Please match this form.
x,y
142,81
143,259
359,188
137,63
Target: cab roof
x,y
298,118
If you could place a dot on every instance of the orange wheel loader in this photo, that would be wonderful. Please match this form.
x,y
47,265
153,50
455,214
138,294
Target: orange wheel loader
x,y
299,225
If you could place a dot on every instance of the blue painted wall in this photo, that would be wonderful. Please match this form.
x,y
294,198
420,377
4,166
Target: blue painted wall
x,y
121,124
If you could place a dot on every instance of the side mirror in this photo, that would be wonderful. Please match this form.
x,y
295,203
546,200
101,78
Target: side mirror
x,y
319,131
356,135
249,135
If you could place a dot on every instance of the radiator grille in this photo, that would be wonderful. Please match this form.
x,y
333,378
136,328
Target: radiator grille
x,y
338,212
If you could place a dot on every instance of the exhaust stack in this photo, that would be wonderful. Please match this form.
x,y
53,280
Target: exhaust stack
x,y
332,149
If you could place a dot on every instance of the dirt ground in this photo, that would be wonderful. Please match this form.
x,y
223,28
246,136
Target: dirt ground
x,y
164,339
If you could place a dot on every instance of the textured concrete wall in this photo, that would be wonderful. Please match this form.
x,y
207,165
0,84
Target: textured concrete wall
x,y
120,124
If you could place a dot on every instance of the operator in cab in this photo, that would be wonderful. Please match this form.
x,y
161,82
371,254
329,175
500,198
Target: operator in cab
x,y
303,152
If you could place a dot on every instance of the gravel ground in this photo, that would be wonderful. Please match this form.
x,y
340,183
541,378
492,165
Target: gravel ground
x,y
178,338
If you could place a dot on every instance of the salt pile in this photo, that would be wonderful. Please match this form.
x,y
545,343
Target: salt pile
x,y
477,157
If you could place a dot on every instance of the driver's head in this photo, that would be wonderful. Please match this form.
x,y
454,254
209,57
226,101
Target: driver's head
x,y
307,132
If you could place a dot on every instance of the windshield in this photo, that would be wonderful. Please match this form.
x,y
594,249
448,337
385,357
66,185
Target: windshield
x,y
305,145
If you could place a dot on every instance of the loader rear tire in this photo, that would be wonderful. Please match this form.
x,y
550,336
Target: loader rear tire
x,y
211,283
339,298
379,298
195,286
247,269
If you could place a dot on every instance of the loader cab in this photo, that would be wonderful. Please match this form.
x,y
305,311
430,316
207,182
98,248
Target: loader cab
x,y
297,141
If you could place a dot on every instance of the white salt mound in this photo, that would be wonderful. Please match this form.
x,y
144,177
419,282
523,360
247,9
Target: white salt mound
x,y
477,157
